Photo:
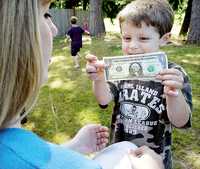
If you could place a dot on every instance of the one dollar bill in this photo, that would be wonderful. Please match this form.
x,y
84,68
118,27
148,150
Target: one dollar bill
x,y
140,67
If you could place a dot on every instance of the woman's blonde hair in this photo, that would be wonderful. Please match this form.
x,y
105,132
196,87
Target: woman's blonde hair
x,y
20,57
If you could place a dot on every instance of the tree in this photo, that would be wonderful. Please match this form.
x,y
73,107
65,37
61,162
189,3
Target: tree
x,y
194,30
85,4
186,20
112,7
96,22
175,4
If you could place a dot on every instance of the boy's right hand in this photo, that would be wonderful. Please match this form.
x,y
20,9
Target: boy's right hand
x,y
95,68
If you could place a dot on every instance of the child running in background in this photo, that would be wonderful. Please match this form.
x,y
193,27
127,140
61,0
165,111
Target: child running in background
x,y
85,24
75,33
145,26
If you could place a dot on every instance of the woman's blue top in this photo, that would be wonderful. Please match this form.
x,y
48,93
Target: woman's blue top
x,y
22,149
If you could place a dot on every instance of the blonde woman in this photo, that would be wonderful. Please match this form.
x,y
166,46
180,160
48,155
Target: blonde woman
x,y
25,49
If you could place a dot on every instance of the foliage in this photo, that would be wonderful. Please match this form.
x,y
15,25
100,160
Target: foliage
x,y
69,4
180,11
176,3
112,7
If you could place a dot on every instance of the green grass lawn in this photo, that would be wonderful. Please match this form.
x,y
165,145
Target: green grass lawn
x,y
66,102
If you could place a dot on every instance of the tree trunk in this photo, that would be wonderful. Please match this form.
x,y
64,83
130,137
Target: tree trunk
x,y
85,3
96,24
194,30
73,11
175,3
186,21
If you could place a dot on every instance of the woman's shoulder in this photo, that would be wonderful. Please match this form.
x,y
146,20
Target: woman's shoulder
x,y
23,147
29,150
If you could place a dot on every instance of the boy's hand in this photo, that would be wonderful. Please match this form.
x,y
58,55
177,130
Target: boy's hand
x,y
94,68
172,79
68,38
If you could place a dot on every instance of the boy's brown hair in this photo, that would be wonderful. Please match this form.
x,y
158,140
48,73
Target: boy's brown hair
x,y
157,13
73,20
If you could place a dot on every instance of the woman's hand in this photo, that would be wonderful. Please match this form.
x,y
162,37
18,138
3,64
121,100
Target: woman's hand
x,y
145,158
89,139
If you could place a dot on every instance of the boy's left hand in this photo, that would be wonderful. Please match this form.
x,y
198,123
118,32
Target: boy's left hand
x,y
172,79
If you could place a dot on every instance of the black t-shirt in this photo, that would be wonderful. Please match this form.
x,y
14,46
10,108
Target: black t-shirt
x,y
75,34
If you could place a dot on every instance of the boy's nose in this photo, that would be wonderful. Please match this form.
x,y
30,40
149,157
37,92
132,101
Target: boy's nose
x,y
133,48
133,45
54,29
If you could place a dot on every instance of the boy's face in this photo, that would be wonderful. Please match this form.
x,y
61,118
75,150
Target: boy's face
x,y
139,40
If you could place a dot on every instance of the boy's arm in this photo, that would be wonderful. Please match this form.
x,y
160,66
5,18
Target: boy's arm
x,y
86,32
67,34
68,38
178,109
94,69
102,92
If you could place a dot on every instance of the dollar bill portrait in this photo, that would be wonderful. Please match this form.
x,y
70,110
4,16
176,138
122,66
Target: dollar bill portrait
x,y
135,69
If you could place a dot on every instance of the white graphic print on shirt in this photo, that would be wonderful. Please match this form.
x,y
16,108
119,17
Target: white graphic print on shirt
x,y
140,107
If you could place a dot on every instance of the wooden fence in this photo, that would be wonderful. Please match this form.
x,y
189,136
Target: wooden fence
x,y
61,18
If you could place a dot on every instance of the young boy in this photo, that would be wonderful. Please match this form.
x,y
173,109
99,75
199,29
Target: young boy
x,y
75,33
145,26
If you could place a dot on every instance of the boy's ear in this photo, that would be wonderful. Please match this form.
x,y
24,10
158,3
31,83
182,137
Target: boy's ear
x,y
165,39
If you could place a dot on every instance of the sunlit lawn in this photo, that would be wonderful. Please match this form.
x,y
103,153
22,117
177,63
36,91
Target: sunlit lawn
x,y
66,102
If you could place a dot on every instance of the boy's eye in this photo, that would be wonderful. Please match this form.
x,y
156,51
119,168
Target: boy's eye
x,y
144,38
126,38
